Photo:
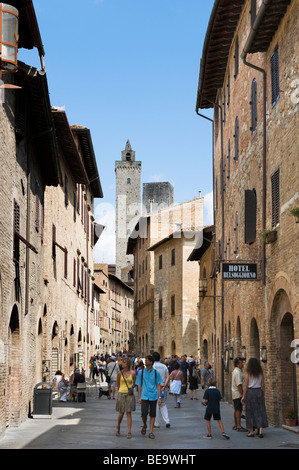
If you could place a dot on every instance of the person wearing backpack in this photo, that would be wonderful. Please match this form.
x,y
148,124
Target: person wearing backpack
x,y
111,376
149,393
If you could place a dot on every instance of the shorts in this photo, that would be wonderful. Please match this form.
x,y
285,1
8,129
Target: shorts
x,y
148,407
208,416
112,384
237,404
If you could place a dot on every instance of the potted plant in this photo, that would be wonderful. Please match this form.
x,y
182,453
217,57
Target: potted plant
x,y
290,417
295,212
269,235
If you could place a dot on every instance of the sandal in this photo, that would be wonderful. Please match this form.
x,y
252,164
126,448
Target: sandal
x,y
151,435
117,432
129,435
143,430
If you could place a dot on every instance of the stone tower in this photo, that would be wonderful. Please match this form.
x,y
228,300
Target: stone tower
x,y
128,203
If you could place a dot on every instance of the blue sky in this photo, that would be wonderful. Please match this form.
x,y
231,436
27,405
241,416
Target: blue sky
x,y
128,69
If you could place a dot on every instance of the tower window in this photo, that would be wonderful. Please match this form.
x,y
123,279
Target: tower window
x,y
129,181
128,157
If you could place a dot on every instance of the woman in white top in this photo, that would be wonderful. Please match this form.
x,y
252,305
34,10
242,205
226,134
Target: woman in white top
x,y
254,399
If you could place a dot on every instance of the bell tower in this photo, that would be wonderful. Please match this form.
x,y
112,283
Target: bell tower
x,y
128,203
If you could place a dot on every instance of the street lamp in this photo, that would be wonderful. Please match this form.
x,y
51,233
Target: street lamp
x,y
9,25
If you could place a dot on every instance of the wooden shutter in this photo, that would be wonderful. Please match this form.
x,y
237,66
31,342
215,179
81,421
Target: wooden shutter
x,y
250,216
275,76
16,229
275,197
236,57
66,194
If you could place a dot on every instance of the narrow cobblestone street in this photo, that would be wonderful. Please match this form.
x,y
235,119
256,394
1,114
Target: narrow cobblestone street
x,y
92,425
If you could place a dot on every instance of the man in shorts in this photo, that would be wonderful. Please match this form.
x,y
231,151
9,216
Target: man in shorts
x,y
149,393
237,392
111,372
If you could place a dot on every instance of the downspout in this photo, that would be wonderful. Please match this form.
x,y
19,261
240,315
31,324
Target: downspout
x,y
244,53
222,237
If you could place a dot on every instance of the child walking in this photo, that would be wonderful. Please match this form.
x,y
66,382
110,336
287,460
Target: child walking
x,y
212,397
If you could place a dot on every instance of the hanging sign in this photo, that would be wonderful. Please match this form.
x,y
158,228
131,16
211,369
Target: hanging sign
x,y
239,271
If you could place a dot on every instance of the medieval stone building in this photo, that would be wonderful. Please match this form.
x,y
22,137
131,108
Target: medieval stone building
x,y
128,203
249,75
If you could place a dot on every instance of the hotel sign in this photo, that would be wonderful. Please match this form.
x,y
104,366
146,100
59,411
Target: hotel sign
x,y
239,271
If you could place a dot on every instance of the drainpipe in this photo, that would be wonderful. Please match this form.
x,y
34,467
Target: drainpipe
x,y
244,53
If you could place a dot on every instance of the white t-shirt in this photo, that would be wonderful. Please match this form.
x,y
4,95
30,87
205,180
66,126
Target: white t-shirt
x,y
110,367
237,379
161,368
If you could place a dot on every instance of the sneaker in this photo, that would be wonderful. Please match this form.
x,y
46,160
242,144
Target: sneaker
x,y
168,425
241,429
208,436
225,436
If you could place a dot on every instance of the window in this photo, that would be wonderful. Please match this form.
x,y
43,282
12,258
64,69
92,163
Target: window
x,y
236,57
275,183
66,194
275,76
129,181
173,305
236,136
160,308
160,262
228,90
253,104
253,12
250,216
228,160
173,257
236,230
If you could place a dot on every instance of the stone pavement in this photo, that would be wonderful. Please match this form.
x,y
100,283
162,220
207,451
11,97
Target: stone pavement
x,y
92,425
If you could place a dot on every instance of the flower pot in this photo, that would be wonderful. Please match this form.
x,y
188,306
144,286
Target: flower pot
x,y
290,422
271,237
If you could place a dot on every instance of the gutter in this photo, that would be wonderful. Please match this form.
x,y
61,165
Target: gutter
x,y
251,37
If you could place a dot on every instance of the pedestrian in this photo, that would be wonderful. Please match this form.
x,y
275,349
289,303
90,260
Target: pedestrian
x,y
212,397
237,392
78,377
184,368
125,402
149,393
176,378
254,398
173,361
63,385
139,367
206,374
111,376
163,371
193,379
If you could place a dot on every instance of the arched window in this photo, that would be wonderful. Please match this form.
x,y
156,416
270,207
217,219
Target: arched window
x,y
129,181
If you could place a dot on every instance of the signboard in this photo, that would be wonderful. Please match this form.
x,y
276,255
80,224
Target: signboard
x,y
239,271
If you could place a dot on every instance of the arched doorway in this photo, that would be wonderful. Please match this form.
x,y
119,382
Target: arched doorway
x,y
14,369
284,383
254,340
288,391
173,348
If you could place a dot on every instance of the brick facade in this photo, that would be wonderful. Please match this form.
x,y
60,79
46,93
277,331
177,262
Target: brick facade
x,y
263,312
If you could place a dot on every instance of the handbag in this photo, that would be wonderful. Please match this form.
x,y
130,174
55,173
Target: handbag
x,y
130,390
108,378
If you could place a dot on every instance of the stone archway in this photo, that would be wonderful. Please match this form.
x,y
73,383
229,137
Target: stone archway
x,y
284,383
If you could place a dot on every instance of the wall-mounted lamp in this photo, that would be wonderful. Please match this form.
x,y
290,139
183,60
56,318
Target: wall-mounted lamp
x,y
9,36
263,354
243,352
